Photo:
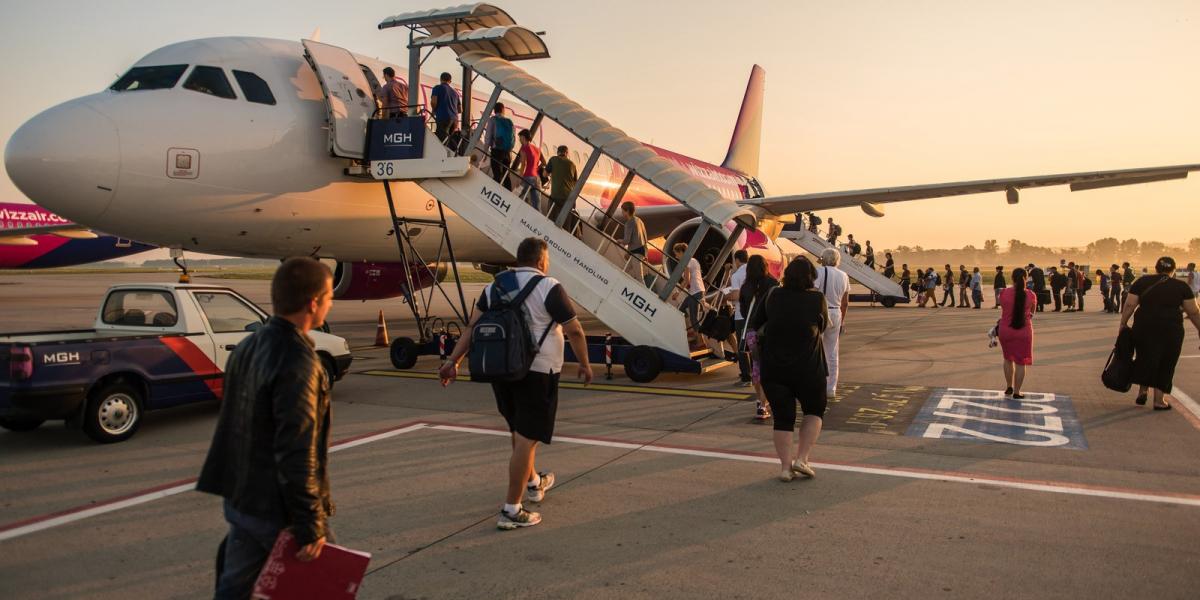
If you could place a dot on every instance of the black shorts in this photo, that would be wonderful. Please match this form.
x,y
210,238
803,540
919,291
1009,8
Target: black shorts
x,y
529,405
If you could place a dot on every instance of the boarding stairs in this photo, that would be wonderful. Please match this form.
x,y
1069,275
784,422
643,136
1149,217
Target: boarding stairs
x,y
887,290
642,305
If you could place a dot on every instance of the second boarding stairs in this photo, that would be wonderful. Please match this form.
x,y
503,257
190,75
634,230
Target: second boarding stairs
x,y
888,291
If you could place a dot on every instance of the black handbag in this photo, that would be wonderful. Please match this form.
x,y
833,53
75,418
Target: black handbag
x,y
718,324
1118,371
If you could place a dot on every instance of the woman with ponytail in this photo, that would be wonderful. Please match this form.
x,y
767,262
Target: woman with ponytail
x,y
1016,332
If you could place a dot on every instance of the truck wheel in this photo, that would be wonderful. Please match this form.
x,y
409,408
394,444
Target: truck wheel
x,y
404,353
888,302
330,368
20,423
113,413
643,364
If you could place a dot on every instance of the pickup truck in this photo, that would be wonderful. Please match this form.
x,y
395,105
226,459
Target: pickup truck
x,y
152,346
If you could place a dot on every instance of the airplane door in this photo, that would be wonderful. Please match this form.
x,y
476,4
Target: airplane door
x,y
349,99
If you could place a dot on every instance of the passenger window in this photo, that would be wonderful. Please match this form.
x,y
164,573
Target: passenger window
x,y
210,80
140,308
254,89
149,78
227,314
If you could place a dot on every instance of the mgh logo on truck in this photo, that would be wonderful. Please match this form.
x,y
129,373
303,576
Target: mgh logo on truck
x,y
60,358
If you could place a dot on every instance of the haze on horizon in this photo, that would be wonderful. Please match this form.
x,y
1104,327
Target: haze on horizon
x,y
865,95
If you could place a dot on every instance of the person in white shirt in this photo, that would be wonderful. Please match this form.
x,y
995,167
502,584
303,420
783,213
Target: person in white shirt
x,y
835,284
693,282
732,294
529,405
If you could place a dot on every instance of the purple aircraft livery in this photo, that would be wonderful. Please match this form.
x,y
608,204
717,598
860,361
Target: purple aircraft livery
x,y
32,237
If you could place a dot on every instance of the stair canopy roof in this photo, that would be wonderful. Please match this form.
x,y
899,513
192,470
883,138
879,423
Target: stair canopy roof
x,y
627,151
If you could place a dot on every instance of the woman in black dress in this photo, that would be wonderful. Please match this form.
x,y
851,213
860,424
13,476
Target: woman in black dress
x,y
1160,301
793,363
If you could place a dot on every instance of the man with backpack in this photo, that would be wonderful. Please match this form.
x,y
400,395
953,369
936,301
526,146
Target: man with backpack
x,y
501,140
515,341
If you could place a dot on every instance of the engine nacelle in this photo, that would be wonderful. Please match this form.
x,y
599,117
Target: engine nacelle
x,y
752,241
379,281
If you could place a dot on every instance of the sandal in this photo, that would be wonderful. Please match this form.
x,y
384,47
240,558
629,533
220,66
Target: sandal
x,y
1141,400
1164,407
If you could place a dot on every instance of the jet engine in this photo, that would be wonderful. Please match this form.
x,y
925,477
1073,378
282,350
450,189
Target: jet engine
x,y
380,281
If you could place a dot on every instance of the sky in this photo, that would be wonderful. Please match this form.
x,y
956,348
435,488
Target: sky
x,y
859,94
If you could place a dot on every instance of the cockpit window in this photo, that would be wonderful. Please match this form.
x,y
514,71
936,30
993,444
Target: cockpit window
x,y
210,80
149,78
254,89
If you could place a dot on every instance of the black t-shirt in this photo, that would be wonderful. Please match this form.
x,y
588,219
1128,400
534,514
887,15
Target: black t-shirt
x,y
1160,299
794,321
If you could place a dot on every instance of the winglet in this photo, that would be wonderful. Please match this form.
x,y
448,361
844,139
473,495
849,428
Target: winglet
x,y
316,35
747,134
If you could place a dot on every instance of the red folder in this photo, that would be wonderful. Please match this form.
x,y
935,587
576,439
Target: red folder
x,y
336,574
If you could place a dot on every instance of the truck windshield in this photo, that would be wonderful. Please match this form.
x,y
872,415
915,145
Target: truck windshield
x,y
140,308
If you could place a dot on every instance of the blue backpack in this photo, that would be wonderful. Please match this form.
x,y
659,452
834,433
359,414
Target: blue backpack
x,y
502,348
503,133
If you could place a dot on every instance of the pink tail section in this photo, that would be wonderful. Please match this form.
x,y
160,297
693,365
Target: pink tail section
x,y
747,134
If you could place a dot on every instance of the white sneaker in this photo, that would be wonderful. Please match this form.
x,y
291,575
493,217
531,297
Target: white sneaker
x,y
536,493
523,518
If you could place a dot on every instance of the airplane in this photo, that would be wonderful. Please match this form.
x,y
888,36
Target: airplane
x,y
34,238
220,146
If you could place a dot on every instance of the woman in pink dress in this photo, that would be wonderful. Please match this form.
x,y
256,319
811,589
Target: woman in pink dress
x,y
1016,332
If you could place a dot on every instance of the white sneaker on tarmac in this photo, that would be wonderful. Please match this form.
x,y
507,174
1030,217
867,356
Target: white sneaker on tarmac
x,y
523,518
803,469
536,493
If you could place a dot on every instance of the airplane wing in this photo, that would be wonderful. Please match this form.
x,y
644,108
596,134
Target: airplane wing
x,y
20,236
867,199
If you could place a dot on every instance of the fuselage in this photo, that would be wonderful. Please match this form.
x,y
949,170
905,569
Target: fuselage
x,y
45,251
259,179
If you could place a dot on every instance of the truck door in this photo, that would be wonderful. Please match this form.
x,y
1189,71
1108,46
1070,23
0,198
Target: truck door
x,y
349,98
230,320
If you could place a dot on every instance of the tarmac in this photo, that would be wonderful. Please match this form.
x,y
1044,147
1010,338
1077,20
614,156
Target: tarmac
x,y
928,483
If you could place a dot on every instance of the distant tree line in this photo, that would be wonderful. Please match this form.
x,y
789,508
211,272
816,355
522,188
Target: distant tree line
x,y
1101,252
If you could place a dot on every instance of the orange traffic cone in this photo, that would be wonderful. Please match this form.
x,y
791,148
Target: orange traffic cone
x,y
381,336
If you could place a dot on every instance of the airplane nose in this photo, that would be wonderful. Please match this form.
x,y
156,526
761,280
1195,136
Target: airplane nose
x,y
67,160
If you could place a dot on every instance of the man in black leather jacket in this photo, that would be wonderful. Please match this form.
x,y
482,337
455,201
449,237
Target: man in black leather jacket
x,y
268,455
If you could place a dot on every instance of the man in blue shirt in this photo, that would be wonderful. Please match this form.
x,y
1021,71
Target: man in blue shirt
x,y
446,104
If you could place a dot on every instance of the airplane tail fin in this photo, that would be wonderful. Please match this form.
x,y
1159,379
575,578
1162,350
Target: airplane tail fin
x,y
747,134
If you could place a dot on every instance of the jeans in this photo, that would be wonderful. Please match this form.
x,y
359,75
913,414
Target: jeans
x,y
243,552
1079,298
691,307
534,198
977,297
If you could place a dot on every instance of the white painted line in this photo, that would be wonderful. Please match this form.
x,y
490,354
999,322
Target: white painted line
x,y
1186,401
928,476
71,517
91,512
375,438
